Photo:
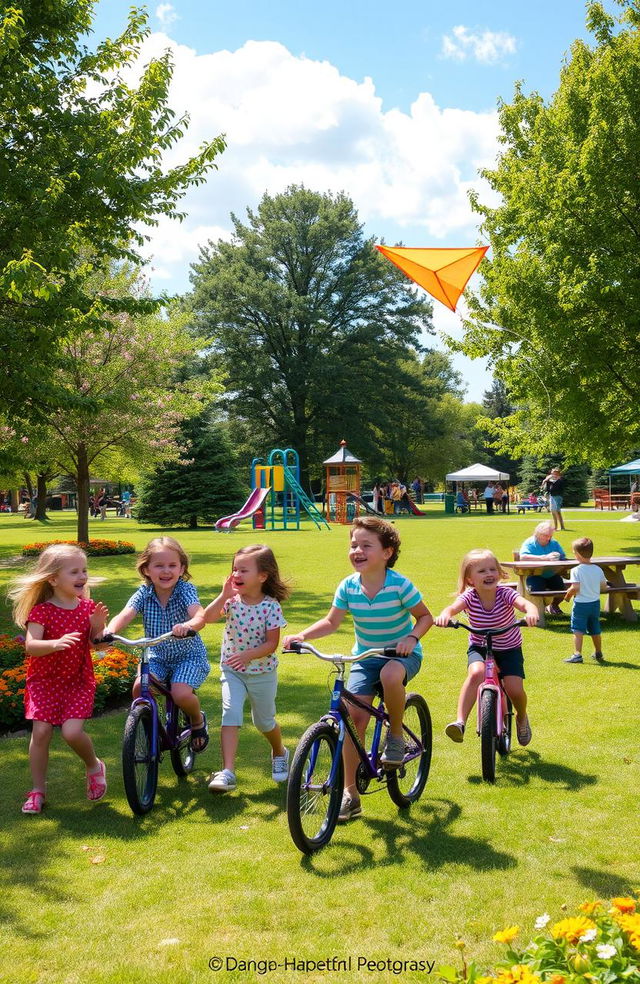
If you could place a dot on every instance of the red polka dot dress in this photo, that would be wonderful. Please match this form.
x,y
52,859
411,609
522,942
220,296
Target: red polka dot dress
x,y
61,686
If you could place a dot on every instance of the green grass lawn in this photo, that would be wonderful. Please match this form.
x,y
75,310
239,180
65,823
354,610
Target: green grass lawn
x,y
204,877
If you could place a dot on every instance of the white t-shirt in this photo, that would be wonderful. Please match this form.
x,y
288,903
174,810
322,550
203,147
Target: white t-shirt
x,y
589,577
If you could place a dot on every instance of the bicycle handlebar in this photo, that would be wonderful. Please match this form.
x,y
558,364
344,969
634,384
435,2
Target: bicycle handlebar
x,y
455,624
144,641
306,647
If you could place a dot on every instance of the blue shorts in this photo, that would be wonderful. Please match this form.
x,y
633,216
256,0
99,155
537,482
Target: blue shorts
x,y
193,670
364,677
585,617
555,503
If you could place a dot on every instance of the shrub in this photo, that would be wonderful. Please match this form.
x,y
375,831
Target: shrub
x,y
600,946
93,548
115,672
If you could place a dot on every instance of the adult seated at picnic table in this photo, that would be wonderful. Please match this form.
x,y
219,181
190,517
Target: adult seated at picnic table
x,y
543,546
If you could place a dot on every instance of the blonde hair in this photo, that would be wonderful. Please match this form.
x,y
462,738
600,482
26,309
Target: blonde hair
x,y
33,588
468,562
162,543
266,563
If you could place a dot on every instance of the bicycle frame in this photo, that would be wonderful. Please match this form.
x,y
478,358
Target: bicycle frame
x,y
492,682
340,716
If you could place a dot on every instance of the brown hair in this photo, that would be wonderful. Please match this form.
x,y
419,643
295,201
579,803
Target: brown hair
x,y
266,563
386,533
469,560
162,543
584,546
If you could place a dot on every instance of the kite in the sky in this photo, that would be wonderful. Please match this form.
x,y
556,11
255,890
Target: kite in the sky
x,y
444,273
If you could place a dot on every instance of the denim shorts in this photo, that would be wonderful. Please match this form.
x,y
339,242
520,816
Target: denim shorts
x,y
585,617
555,503
364,677
510,662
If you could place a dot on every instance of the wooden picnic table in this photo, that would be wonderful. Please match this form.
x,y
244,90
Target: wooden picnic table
x,y
612,568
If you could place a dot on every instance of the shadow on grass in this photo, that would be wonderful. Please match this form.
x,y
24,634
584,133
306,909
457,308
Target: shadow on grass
x,y
604,884
423,832
521,768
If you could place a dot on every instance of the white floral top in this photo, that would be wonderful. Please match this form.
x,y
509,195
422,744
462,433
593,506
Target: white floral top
x,y
247,627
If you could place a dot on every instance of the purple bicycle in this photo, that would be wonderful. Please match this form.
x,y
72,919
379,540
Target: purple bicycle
x,y
147,736
316,777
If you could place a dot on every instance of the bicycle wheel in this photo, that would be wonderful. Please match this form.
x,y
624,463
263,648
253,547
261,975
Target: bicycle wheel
x,y
139,761
182,756
406,783
488,737
312,804
504,741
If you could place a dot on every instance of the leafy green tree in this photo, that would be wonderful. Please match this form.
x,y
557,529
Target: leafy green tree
x,y
311,324
559,311
204,483
123,400
81,170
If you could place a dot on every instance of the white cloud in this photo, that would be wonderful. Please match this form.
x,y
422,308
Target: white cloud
x,y
485,46
292,120
166,14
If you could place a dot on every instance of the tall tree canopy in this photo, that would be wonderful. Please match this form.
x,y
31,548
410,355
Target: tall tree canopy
x,y
559,312
310,323
81,168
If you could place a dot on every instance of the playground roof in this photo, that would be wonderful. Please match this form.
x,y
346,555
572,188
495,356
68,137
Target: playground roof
x,y
477,473
342,457
631,468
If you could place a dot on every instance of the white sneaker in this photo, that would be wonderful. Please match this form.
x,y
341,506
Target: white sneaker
x,y
280,767
222,782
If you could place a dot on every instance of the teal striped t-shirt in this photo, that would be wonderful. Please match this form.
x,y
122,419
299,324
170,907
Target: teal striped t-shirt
x,y
383,620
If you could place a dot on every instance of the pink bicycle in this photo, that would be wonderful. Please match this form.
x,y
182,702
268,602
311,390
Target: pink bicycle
x,y
495,713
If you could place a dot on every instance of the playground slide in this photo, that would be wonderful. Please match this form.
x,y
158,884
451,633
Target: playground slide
x,y
251,506
414,508
365,505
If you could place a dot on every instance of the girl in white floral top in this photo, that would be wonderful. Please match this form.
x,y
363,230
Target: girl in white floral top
x,y
250,602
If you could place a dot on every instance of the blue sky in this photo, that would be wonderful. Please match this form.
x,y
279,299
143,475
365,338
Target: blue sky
x,y
395,103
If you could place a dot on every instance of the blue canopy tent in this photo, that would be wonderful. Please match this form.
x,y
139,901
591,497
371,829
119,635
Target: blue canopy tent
x,y
631,468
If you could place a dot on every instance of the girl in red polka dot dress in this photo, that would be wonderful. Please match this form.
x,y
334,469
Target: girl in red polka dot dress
x,y
52,603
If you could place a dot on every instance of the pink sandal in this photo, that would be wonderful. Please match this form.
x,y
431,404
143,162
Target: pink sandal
x,y
97,783
34,802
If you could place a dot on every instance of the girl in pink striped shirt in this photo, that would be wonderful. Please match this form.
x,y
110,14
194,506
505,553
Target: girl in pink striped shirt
x,y
490,605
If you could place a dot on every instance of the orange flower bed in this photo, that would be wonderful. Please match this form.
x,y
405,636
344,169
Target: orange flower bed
x,y
93,548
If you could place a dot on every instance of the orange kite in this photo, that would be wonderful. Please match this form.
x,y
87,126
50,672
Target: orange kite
x,y
444,273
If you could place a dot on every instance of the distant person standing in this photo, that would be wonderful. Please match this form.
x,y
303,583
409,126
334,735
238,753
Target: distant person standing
x,y
488,497
554,484
416,485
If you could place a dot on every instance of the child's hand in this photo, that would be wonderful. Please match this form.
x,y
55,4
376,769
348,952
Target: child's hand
x,y
228,590
532,619
66,641
180,630
404,647
442,620
98,620
238,661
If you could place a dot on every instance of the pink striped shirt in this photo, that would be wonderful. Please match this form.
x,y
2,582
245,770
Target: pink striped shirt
x,y
501,614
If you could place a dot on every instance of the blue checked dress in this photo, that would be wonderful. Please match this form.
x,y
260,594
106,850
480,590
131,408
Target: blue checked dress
x,y
176,660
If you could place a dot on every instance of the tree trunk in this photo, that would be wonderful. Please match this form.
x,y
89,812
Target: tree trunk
x,y
15,500
82,485
193,522
41,508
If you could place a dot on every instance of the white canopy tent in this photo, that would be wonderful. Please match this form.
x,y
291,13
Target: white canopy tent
x,y
478,473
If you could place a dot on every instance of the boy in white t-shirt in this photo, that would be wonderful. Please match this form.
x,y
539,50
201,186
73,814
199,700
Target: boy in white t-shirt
x,y
587,579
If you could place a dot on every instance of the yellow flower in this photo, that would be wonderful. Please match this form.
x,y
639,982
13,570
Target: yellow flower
x,y
572,929
590,907
518,974
624,904
631,926
557,979
507,935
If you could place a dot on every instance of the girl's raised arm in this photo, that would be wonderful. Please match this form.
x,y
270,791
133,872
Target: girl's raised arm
x,y
447,613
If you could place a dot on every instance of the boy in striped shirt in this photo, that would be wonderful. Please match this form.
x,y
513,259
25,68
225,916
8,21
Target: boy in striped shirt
x,y
387,611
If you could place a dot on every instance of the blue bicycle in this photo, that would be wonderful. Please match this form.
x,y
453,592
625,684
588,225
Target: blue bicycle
x,y
316,777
